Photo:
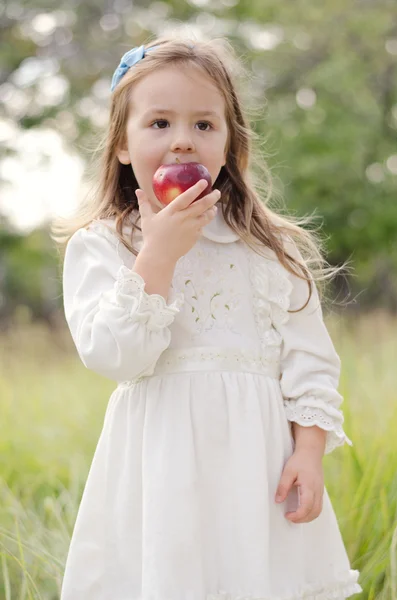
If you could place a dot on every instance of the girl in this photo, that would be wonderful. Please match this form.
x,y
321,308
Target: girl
x,y
207,481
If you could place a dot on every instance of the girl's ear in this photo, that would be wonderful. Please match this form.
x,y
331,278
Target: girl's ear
x,y
123,157
123,154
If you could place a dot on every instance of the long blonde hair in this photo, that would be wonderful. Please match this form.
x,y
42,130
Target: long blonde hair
x,y
245,194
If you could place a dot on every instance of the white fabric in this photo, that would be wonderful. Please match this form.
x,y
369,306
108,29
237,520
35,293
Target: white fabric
x,y
179,502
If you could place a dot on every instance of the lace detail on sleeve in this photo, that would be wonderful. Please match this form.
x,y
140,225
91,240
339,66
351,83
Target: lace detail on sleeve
x,y
151,309
317,412
129,290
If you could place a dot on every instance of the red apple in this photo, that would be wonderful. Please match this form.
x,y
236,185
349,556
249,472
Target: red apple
x,y
169,181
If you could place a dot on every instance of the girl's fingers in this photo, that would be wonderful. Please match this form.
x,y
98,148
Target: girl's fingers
x,y
206,216
204,204
186,198
317,508
287,480
307,501
314,513
145,208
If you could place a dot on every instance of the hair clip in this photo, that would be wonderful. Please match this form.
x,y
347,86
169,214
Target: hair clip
x,y
129,59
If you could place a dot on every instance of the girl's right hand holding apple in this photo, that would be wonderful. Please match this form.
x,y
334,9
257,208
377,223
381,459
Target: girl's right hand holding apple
x,y
174,230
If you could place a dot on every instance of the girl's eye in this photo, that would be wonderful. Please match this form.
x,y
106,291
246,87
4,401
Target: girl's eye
x,y
205,123
159,121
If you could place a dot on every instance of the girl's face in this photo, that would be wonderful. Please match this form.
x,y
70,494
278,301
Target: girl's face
x,y
174,113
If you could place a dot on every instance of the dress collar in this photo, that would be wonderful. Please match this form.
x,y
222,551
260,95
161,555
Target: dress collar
x,y
218,230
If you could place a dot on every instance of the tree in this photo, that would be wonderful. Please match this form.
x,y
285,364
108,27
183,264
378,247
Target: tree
x,y
324,79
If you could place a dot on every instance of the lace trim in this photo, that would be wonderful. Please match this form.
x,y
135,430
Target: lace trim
x,y
332,591
182,360
151,309
320,402
172,357
271,290
308,416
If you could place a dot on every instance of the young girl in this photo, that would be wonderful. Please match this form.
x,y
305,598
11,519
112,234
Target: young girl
x,y
207,481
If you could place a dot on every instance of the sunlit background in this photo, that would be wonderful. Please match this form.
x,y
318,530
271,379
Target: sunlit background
x,y
321,92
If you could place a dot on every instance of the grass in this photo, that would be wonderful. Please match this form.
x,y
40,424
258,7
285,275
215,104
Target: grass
x,y
52,410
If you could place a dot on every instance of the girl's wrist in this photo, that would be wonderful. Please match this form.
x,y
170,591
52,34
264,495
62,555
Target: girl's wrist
x,y
309,439
156,269
152,254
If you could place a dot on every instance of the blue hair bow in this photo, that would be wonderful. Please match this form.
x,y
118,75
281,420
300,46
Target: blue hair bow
x,y
129,59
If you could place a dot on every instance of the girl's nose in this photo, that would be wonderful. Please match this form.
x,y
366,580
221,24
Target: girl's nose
x,y
182,143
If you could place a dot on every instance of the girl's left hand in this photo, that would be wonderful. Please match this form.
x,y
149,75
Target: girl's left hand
x,y
304,469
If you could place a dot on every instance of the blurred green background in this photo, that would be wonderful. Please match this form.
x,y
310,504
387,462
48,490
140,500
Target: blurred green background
x,y
323,94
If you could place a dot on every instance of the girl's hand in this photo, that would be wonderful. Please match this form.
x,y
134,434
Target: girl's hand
x,y
174,230
303,469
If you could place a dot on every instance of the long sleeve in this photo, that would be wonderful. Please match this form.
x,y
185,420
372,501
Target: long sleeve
x,y
119,330
310,367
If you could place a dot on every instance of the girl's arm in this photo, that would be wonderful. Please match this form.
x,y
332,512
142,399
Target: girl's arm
x,y
310,369
119,329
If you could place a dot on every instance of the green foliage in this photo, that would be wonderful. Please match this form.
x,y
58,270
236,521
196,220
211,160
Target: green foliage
x,y
324,80
29,275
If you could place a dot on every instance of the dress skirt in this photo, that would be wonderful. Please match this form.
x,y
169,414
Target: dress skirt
x,y
179,501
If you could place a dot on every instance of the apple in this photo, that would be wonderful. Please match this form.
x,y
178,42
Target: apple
x,y
169,181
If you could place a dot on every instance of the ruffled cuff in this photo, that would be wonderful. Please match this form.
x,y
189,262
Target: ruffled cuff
x,y
150,309
309,411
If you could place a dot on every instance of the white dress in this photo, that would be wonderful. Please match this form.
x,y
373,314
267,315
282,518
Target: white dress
x,y
179,501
